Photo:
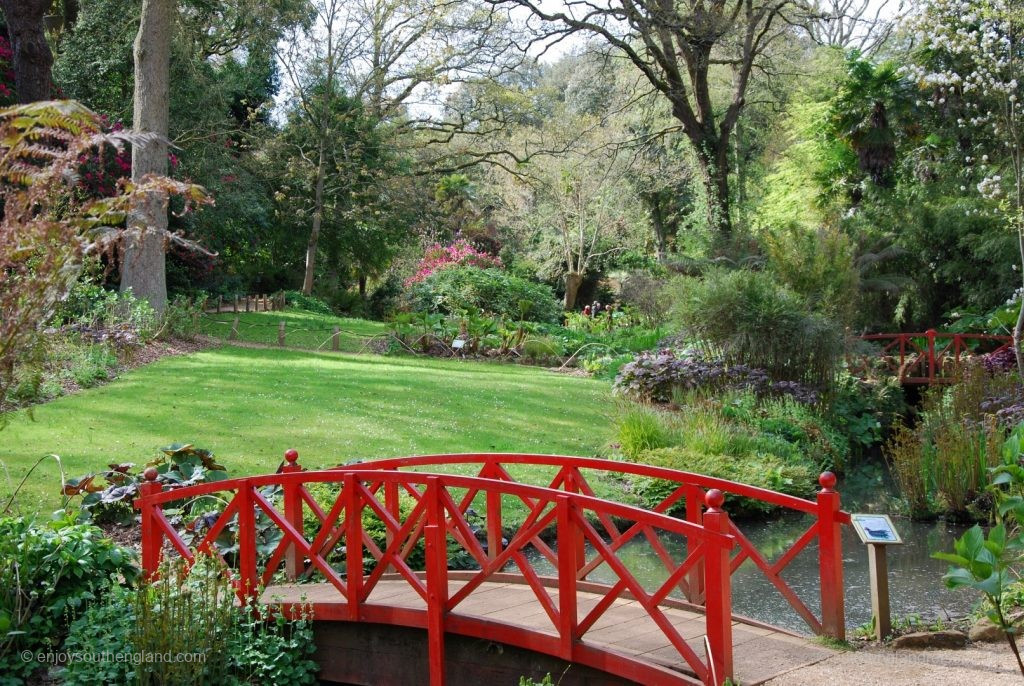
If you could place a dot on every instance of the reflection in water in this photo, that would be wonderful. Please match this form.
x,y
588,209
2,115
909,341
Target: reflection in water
x,y
915,579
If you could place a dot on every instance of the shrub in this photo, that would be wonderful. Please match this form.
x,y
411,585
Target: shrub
x,y
656,376
542,348
817,440
104,628
777,444
645,295
461,253
941,463
641,429
384,299
469,289
605,366
310,303
110,500
190,612
47,571
819,266
181,318
865,409
762,470
745,317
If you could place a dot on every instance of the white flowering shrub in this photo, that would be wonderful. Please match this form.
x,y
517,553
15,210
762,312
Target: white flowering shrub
x,y
969,64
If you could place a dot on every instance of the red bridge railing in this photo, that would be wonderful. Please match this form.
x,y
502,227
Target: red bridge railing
x,y
932,357
690,490
573,529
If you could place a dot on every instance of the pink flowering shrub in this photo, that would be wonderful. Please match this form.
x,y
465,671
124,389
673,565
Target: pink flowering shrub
x,y
102,167
459,254
6,72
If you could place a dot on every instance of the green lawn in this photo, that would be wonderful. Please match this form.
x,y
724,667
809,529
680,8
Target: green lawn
x,y
250,405
302,329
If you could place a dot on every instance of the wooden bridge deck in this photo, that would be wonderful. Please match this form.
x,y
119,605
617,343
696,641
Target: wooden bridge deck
x,y
761,652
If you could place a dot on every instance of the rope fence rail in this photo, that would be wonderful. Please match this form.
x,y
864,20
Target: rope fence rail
x,y
287,334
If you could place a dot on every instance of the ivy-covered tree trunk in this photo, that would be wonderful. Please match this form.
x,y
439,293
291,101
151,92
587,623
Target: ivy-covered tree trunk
x,y
713,160
143,264
33,59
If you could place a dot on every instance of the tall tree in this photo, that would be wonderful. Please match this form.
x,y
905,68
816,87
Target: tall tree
x,y
971,61
143,265
386,53
576,209
677,46
32,56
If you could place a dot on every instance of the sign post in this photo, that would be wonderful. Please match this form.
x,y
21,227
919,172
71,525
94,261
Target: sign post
x,y
877,532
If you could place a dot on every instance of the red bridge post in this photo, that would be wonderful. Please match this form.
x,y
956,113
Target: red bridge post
x,y
718,599
248,579
152,534
353,544
435,535
568,564
292,513
830,559
694,496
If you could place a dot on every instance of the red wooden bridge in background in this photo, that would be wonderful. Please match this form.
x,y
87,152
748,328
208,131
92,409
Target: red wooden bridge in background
x,y
531,587
932,357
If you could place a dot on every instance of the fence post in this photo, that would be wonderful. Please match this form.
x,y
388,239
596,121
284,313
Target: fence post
x,y
336,339
247,578
930,333
293,566
830,559
718,599
152,534
435,534
280,334
234,330
694,496
568,619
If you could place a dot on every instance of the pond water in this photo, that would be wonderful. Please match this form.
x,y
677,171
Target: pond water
x,y
915,579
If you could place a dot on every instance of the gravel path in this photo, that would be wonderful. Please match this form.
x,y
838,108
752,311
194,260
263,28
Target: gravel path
x,y
978,665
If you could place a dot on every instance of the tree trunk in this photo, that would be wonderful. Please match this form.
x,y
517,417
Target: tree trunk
x,y
318,215
143,265
573,280
716,177
655,206
362,285
1018,219
713,160
32,56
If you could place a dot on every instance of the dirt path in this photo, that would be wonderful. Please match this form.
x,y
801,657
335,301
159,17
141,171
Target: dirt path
x,y
979,665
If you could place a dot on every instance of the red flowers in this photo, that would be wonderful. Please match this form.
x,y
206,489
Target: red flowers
x,y
458,254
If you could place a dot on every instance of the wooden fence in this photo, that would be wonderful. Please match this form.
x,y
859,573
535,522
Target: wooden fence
x,y
247,303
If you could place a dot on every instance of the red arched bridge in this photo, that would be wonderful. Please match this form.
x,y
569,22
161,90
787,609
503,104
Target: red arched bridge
x,y
371,544
931,357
